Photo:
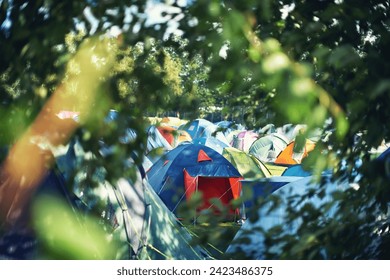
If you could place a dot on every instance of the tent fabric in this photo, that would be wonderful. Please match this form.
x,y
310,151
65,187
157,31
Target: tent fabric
x,y
266,148
254,247
203,128
211,188
248,165
384,155
196,127
212,143
244,140
155,231
202,156
156,140
290,156
296,170
254,189
168,133
169,180
275,169
183,136
229,126
145,227
232,134
172,135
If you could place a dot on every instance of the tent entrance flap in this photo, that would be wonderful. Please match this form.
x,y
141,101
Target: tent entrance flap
x,y
214,187
210,187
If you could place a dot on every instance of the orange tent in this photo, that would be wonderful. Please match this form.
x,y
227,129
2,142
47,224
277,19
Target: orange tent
x,y
168,133
290,156
174,136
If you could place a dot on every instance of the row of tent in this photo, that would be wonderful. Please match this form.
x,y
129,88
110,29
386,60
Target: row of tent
x,y
198,157
276,147
213,160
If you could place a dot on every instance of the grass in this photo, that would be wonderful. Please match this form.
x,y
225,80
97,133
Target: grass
x,y
215,237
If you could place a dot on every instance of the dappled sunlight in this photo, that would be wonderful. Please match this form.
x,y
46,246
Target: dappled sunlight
x,y
21,176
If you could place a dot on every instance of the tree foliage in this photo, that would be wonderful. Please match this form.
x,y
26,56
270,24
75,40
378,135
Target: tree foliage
x,y
322,63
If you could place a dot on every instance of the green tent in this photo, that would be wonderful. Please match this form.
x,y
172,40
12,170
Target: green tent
x,y
275,169
248,165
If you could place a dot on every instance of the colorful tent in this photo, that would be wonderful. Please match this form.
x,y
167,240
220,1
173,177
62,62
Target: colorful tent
x,y
156,144
168,132
232,134
203,128
291,155
268,147
244,140
173,136
191,168
248,165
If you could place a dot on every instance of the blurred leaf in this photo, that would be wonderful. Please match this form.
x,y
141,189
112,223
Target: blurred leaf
x,y
65,235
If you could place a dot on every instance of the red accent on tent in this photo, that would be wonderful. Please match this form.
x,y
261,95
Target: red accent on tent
x,y
190,184
223,188
165,162
167,133
202,156
235,185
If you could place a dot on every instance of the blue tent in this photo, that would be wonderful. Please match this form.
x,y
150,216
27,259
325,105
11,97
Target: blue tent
x,y
249,240
384,155
296,170
212,143
204,128
191,168
261,188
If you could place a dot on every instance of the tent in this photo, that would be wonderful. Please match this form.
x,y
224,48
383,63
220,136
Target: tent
x,y
173,136
229,126
290,155
268,147
196,127
275,169
156,142
147,224
248,165
203,128
249,240
168,132
244,140
191,168
296,170
142,223
212,143
253,189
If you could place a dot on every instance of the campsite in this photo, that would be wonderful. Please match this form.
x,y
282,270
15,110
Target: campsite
x,y
194,130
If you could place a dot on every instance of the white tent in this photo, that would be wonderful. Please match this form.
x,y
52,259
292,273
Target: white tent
x,y
254,246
